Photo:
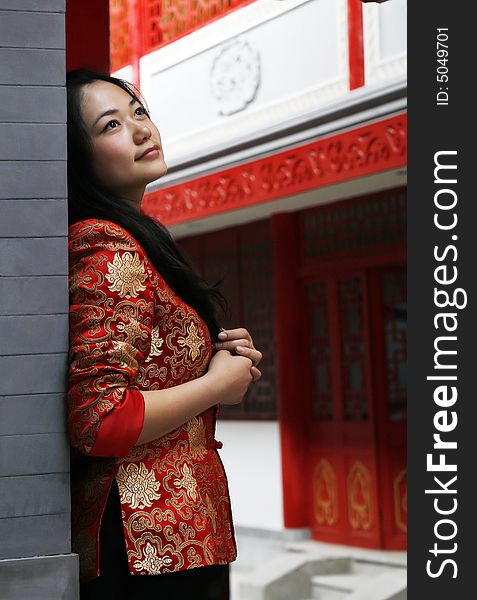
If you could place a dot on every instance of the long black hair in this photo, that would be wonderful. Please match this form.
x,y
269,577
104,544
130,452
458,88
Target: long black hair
x,y
89,199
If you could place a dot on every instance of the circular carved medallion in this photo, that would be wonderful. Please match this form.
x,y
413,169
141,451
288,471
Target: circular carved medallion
x,y
235,76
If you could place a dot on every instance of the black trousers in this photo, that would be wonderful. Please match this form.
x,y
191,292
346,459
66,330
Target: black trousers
x,y
116,583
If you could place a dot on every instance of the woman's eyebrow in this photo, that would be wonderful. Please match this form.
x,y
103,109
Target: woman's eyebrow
x,y
112,111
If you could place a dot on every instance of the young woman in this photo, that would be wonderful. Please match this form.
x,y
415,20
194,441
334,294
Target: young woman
x,y
148,366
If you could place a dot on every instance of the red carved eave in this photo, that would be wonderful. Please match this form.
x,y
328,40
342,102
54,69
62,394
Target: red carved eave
x,y
376,147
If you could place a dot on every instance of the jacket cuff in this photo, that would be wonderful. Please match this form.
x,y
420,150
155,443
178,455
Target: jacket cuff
x,y
121,427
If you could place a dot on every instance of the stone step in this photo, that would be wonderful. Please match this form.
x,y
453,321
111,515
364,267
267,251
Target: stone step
x,y
371,568
336,587
386,586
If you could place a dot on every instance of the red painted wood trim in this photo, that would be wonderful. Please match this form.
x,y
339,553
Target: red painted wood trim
x,y
290,398
355,44
376,147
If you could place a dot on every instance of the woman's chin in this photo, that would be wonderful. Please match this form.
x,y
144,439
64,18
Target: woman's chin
x,y
162,171
158,173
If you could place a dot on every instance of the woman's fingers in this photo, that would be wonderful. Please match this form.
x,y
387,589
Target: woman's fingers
x,y
242,348
232,344
254,355
256,374
240,341
235,334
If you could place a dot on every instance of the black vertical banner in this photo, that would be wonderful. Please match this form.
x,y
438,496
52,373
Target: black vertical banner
x,y
442,356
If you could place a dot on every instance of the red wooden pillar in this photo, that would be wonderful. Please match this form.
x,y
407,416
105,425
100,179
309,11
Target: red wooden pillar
x,y
87,34
289,385
355,44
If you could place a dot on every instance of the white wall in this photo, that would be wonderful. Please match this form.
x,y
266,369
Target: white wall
x,y
385,41
280,59
261,66
252,458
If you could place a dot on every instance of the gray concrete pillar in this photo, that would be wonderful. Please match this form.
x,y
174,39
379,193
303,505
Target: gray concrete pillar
x,y
35,550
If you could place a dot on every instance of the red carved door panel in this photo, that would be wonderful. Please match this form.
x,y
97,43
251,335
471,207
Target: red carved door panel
x,y
389,331
356,410
342,464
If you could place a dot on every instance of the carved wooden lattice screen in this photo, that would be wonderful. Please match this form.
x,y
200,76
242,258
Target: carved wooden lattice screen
x,y
160,22
242,256
395,328
167,20
353,225
120,38
320,353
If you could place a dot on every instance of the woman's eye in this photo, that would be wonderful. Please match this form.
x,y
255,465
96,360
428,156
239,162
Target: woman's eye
x,y
141,109
111,123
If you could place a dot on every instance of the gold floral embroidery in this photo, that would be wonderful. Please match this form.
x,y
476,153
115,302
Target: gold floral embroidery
x,y
153,371
187,481
171,531
152,563
193,557
185,338
193,341
196,432
156,343
141,520
124,354
210,512
103,404
126,275
137,485
133,331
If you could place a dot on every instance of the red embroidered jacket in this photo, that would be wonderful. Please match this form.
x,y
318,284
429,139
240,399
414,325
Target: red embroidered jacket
x,y
130,332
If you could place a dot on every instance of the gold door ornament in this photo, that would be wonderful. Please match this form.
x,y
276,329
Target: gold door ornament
x,y
360,497
325,493
400,500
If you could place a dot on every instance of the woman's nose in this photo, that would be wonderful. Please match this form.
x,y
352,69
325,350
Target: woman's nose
x,y
141,133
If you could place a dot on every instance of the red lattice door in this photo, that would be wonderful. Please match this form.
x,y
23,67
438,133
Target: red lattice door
x,y
389,333
356,409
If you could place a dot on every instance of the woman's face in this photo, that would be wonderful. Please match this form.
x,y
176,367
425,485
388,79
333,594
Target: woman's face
x,y
121,133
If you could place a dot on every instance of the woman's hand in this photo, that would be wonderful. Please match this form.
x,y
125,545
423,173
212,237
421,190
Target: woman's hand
x,y
231,375
240,341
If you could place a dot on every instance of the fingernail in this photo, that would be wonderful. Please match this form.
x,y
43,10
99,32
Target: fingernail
x,y
240,348
222,335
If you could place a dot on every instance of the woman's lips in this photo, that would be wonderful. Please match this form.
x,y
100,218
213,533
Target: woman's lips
x,y
150,154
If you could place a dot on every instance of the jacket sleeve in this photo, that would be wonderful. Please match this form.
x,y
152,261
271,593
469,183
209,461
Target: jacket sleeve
x,y
111,317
